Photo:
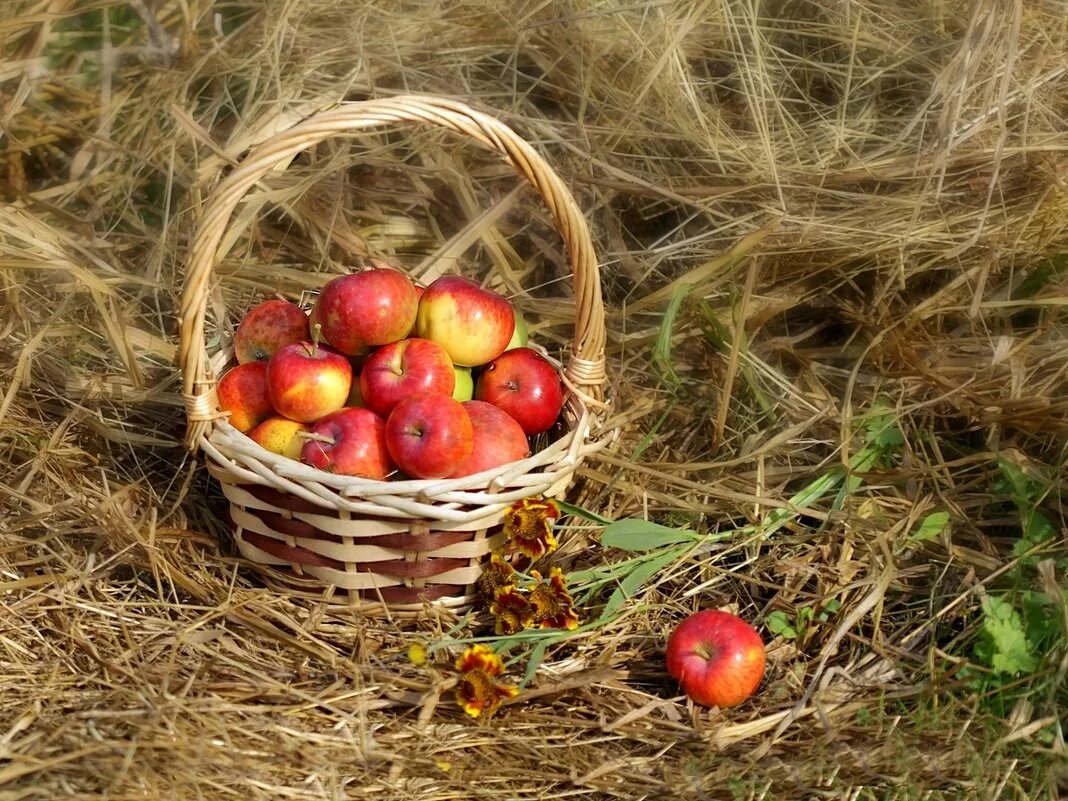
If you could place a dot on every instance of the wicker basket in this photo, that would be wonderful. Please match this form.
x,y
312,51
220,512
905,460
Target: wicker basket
x,y
396,548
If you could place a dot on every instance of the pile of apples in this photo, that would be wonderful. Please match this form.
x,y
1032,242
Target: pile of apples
x,y
388,379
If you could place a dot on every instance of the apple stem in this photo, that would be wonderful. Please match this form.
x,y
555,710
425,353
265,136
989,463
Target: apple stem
x,y
311,435
317,333
702,651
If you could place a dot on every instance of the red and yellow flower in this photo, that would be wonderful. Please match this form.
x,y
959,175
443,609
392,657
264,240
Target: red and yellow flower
x,y
529,526
511,609
498,574
476,692
551,604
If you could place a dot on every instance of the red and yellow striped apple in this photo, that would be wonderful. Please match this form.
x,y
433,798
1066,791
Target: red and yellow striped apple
x,y
244,394
350,442
400,369
308,381
373,307
473,324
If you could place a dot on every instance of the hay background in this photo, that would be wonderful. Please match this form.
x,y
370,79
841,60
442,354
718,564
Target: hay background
x,y
869,197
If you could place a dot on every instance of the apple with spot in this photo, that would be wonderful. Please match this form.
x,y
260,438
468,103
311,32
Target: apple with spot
x,y
280,435
268,327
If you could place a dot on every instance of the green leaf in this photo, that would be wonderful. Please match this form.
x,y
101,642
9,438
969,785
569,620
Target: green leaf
x,y
536,655
643,535
636,579
880,427
585,514
778,622
930,527
662,349
1010,651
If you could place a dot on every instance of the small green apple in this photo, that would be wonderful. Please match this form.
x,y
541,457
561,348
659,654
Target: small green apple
x,y
519,335
465,384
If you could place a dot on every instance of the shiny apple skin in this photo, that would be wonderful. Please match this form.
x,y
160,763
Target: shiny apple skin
x,y
717,658
525,384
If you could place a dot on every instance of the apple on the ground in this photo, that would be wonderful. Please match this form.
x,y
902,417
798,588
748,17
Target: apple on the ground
x,y
350,442
716,657
498,439
429,436
308,381
280,435
374,307
473,324
465,384
401,369
243,393
525,384
266,328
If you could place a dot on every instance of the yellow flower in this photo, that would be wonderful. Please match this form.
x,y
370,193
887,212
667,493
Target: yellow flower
x,y
477,693
511,610
529,526
551,603
496,575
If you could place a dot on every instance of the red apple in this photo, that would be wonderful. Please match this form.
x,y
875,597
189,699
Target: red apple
x,y
266,328
308,381
473,324
429,436
498,439
526,385
280,435
374,307
400,369
717,657
243,393
351,442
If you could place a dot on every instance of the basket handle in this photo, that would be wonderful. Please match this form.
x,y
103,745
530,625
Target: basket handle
x,y
585,366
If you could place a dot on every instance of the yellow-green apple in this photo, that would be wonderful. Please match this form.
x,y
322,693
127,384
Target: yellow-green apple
x,y
523,383
351,442
243,393
519,335
716,657
400,369
473,324
498,439
429,436
373,307
465,384
280,435
266,328
308,381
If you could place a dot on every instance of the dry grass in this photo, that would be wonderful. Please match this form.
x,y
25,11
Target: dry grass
x,y
862,203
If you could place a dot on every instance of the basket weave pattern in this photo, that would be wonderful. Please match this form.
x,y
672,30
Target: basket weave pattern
x,y
391,546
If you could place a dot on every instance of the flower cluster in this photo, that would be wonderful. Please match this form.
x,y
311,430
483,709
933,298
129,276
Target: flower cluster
x,y
517,602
